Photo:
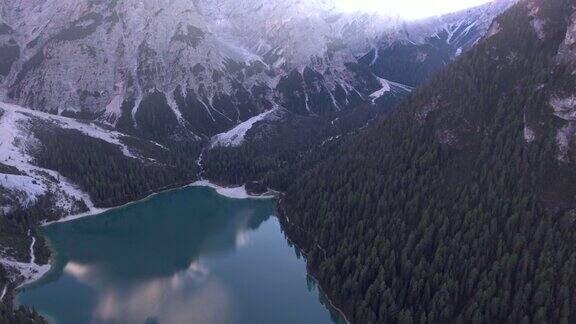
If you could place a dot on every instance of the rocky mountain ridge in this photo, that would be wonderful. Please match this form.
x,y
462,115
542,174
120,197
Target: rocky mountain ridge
x,y
169,68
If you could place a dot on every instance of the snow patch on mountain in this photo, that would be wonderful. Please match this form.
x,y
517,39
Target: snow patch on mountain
x,y
113,110
235,137
385,88
389,86
30,186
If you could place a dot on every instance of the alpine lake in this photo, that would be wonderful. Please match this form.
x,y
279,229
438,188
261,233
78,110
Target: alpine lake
x,y
184,256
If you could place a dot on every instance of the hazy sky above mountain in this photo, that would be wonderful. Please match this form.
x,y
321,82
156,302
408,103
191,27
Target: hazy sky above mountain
x,y
408,9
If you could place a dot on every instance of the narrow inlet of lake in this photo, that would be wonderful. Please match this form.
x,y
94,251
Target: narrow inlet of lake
x,y
186,256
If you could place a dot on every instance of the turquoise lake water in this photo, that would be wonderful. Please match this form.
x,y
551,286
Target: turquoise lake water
x,y
186,256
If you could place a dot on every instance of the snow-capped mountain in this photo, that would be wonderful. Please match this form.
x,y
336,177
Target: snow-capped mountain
x,y
409,53
180,70
196,68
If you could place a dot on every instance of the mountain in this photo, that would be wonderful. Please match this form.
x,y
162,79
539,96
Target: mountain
x,y
412,52
154,84
198,68
460,205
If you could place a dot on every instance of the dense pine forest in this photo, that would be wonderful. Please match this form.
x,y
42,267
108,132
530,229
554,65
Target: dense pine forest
x,y
108,175
445,212
277,154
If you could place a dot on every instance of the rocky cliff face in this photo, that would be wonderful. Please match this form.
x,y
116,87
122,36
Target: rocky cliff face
x,y
197,68
563,99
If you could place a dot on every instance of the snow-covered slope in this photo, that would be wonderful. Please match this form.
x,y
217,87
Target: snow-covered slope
x,y
235,136
410,53
23,179
26,181
201,67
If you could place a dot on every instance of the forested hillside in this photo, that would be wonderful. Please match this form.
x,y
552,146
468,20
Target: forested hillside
x,y
275,153
110,178
459,207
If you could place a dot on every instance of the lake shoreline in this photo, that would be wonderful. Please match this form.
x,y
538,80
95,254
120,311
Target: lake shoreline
x,y
284,220
230,192
311,274
336,317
